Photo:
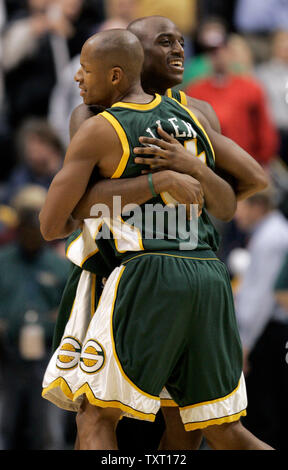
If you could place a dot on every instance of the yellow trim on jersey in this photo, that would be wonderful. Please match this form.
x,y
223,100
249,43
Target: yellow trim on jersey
x,y
124,142
72,307
96,250
93,291
210,422
163,198
183,98
209,402
198,124
139,106
173,256
112,404
169,93
134,229
168,402
88,256
62,384
75,240
154,397
186,146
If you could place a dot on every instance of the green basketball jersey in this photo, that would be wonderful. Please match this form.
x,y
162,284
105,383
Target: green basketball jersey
x,y
159,224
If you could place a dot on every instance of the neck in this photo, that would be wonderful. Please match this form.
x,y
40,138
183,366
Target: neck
x,y
152,88
135,94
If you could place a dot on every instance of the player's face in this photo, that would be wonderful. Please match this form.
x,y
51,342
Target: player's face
x,y
93,80
164,54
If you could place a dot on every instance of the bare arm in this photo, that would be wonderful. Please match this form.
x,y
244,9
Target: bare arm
x,y
184,188
130,190
239,168
207,110
220,199
70,183
80,114
242,171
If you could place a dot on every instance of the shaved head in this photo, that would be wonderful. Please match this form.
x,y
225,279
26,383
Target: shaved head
x,y
111,62
141,27
117,48
163,46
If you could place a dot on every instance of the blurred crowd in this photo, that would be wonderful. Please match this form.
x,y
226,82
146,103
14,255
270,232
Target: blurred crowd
x,y
236,58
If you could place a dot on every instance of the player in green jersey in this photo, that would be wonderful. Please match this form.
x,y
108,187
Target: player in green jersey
x,y
56,222
162,44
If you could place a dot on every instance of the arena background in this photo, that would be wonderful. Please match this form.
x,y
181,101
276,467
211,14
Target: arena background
x,y
39,54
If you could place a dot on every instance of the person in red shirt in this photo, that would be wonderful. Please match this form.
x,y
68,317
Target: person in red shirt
x,y
239,102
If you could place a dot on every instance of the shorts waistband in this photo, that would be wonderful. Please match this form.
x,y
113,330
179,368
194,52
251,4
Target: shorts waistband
x,y
207,255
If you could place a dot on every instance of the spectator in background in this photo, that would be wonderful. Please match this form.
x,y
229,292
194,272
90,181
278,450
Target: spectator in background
x,y
263,325
238,101
32,278
183,12
257,19
40,157
118,14
257,16
8,224
65,94
220,8
6,146
199,65
273,75
37,44
281,290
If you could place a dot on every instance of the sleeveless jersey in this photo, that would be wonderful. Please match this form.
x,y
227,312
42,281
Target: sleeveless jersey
x,y
152,226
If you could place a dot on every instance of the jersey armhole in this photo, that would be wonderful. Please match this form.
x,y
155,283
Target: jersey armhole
x,y
124,143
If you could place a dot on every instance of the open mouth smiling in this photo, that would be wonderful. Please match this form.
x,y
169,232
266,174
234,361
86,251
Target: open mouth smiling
x,y
176,64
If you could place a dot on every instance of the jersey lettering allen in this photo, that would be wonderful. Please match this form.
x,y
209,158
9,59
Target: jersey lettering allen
x,y
161,224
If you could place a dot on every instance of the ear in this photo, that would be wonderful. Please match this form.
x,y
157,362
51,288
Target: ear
x,y
116,75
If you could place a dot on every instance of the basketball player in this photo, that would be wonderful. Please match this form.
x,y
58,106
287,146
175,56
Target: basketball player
x,y
163,45
122,375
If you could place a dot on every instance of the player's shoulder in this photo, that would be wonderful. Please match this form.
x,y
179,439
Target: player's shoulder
x,y
80,114
204,109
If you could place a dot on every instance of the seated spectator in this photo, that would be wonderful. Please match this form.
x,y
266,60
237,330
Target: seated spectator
x,y
238,101
40,157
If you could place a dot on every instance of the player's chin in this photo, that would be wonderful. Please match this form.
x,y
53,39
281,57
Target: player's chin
x,y
87,101
173,80
175,77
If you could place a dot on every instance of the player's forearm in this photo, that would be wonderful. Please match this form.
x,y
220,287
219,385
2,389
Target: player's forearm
x,y
247,176
220,198
117,193
60,231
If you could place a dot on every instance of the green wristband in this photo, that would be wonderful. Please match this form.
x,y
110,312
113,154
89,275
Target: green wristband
x,y
151,185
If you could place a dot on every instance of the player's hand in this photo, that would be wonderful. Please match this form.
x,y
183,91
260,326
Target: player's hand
x,y
167,154
184,188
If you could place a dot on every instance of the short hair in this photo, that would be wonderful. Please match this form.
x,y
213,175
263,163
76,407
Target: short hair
x,y
43,130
